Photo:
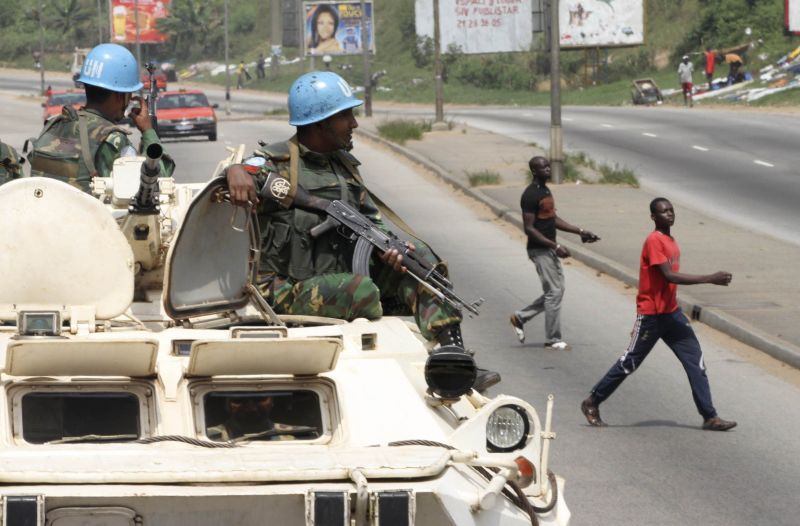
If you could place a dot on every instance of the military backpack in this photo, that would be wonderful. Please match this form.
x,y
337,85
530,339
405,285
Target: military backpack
x,y
66,147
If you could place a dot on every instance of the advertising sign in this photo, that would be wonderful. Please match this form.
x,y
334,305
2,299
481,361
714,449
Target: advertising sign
x,y
792,15
479,26
124,15
334,28
601,23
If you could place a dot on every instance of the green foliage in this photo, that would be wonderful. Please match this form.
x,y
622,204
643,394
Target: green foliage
x,y
500,71
617,175
484,178
402,130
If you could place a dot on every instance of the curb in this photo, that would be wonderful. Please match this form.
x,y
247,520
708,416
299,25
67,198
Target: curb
x,y
713,317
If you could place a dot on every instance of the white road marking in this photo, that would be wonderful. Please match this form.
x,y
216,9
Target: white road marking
x,y
700,148
764,163
567,119
607,126
528,114
649,134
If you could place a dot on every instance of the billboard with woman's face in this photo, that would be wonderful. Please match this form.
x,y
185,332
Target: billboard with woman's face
x,y
334,28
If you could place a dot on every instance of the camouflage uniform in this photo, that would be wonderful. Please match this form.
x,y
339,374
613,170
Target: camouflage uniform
x,y
57,152
299,274
9,163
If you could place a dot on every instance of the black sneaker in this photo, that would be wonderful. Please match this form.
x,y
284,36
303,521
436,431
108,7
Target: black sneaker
x,y
718,424
592,413
516,323
485,379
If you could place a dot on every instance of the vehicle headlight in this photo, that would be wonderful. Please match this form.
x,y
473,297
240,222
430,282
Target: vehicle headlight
x,y
450,372
507,429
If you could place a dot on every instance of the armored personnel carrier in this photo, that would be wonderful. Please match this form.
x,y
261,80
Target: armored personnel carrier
x,y
222,412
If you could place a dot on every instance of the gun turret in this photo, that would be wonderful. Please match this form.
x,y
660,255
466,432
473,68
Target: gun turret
x,y
145,202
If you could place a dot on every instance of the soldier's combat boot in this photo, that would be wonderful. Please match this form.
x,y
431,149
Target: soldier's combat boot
x,y
451,335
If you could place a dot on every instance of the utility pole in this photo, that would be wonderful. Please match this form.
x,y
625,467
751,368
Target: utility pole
x,y
438,122
41,48
365,55
138,44
99,22
556,150
276,37
227,67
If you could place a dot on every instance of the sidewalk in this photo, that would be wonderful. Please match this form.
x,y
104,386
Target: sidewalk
x,y
761,307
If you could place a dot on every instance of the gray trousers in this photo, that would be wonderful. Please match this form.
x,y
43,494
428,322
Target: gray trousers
x,y
551,274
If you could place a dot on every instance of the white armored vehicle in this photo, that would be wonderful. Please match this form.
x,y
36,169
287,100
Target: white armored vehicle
x,y
220,412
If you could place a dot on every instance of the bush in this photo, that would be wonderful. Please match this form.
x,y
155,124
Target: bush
x,y
401,130
617,175
498,72
484,178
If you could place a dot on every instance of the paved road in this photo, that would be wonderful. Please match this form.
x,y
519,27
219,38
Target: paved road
x,y
652,466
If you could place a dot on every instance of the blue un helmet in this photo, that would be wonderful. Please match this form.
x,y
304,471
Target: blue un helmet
x,y
112,67
317,95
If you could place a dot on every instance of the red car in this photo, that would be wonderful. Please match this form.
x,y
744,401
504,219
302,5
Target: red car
x,y
186,112
161,80
60,98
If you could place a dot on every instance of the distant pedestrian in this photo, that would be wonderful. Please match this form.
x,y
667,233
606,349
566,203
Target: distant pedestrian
x,y
541,222
685,70
734,62
260,73
242,75
711,59
658,317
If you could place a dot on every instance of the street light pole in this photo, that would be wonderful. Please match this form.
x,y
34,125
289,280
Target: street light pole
x,y
556,150
365,55
138,44
276,37
41,48
437,64
227,67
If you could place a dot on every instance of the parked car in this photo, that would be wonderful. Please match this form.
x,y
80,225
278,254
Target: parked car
x,y
184,113
60,98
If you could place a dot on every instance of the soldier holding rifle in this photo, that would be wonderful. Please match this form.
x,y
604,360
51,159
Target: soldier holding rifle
x,y
312,274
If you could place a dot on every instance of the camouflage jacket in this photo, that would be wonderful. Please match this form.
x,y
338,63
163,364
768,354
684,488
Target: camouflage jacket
x,y
58,151
287,249
9,163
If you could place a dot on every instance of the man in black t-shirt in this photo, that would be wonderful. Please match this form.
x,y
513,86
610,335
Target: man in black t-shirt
x,y
541,222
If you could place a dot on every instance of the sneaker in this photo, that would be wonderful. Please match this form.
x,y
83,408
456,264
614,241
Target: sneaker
x,y
516,323
592,413
557,346
485,379
718,424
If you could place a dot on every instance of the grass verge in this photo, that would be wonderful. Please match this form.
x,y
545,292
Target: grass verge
x,y
483,178
402,130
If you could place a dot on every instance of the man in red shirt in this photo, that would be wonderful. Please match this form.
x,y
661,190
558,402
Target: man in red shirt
x,y
711,57
658,317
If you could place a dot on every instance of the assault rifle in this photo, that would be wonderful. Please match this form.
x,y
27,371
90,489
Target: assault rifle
x,y
152,97
356,227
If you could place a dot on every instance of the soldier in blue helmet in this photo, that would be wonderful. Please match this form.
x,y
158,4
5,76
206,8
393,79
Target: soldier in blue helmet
x,y
301,274
78,145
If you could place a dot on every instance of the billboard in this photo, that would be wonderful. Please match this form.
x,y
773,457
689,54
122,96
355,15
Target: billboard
x,y
601,23
792,16
485,26
124,14
334,28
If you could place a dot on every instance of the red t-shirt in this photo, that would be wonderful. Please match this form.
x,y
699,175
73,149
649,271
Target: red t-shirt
x,y
710,56
656,294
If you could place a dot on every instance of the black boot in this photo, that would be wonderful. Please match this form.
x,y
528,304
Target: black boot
x,y
451,335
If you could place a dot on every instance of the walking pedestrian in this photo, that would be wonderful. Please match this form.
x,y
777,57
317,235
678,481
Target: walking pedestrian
x,y
541,222
658,317
685,70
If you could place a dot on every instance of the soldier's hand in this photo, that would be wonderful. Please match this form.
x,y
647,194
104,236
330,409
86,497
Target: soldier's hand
x,y
139,115
241,187
721,278
394,258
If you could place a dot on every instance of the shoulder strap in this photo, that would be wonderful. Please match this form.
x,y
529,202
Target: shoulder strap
x,y
294,166
85,149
